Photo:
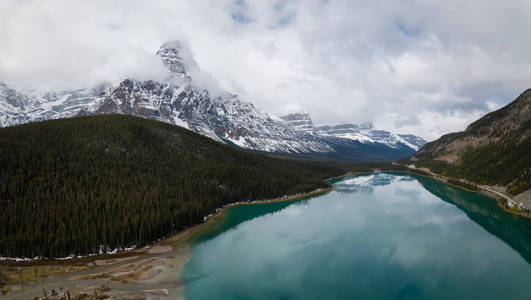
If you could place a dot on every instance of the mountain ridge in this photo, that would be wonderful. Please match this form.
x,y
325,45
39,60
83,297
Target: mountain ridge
x,y
179,100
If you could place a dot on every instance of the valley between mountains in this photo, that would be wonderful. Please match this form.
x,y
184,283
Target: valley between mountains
x,y
106,190
265,150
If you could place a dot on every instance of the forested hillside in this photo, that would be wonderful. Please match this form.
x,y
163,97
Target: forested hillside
x,y
76,186
495,150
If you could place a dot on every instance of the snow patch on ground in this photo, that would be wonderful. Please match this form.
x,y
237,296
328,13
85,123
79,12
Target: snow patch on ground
x,y
180,122
72,256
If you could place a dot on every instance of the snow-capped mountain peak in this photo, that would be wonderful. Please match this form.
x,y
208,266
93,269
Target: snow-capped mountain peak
x,y
172,56
190,98
18,107
221,115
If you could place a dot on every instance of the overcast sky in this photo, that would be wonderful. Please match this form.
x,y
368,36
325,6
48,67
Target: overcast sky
x,y
412,66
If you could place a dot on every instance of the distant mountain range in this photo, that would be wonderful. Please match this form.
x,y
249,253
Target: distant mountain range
x,y
353,142
222,116
364,133
17,107
494,150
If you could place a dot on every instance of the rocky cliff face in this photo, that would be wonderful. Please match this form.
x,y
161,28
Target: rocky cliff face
x,y
18,108
301,121
12,106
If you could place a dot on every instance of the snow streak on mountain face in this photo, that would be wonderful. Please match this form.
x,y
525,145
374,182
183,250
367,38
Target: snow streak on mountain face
x,y
17,108
180,100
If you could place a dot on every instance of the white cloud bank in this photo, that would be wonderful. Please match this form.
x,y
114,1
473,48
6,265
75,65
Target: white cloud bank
x,y
419,66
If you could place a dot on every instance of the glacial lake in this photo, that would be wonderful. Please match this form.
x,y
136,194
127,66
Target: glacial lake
x,y
377,236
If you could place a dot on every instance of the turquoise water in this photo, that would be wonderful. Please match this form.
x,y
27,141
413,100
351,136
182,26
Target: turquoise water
x,y
379,236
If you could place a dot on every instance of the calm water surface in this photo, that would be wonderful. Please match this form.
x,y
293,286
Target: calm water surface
x,y
379,236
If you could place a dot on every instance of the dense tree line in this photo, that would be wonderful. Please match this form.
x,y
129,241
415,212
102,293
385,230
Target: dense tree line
x,y
75,186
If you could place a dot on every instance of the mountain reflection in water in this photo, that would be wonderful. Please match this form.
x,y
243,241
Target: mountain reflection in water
x,y
375,236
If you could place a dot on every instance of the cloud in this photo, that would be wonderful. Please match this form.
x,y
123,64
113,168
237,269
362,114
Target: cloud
x,y
424,67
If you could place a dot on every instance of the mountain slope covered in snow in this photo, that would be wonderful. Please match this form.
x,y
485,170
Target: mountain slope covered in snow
x,y
224,117
183,100
359,142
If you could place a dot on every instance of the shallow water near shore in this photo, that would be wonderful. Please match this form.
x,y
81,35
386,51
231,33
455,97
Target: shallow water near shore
x,y
377,236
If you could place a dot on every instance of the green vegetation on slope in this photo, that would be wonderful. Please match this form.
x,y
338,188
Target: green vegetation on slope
x,y
74,186
494,150
506,162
